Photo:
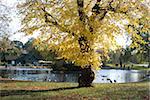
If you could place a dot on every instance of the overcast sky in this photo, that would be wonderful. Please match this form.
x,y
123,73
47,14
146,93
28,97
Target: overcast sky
x,y
15,24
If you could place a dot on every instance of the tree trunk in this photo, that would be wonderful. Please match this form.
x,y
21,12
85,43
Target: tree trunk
x,y
86,78
87,75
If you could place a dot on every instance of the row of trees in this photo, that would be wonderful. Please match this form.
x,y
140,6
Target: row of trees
x,y
19,52
132,55
14,49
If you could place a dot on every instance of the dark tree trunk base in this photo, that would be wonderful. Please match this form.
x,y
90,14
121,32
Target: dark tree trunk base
x,y
86,78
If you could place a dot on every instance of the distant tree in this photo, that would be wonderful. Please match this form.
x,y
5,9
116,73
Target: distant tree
x,y
32,54
8,49
46,53
76,29
144,50
5,43
139,54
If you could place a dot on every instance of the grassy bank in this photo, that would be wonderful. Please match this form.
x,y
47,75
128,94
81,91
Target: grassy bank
x,y
69,91
131,66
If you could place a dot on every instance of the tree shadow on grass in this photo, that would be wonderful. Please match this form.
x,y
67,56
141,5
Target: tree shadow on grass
x,y
4,93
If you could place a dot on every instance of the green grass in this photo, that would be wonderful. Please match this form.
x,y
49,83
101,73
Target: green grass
x,y
69,91
132,66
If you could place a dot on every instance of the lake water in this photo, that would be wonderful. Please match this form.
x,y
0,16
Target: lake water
x,y
101,76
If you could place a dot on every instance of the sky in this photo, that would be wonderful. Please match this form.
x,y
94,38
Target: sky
x,y
15,25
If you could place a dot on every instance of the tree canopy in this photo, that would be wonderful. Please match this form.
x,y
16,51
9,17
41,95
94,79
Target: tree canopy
x,y
8,49
84,31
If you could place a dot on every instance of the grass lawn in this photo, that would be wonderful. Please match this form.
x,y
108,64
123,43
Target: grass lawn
x,y
11,90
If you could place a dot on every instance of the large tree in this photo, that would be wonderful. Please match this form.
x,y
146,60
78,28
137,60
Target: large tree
x,y
83,31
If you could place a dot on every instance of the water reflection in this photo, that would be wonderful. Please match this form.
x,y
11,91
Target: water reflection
x,y
102,76
119,76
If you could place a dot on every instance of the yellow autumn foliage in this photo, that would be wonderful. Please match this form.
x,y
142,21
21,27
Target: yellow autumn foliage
x,y
60,27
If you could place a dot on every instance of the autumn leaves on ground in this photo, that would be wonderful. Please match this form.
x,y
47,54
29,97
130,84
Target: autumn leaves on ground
x,y
69,91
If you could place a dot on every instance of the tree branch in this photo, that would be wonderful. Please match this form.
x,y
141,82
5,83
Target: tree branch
x,y
83,17
103,11
98,10
83,42
80,4
46,17
110,8
55,22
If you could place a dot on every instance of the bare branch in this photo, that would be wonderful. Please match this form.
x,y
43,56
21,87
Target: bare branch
x,y
83,17
88,4
46,17
110,8
103,11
